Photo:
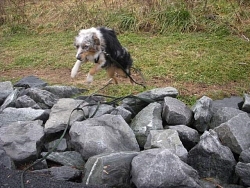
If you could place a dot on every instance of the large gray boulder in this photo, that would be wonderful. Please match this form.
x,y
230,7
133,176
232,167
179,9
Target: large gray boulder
x,y
67,158
175,112
202,113
6,88
135,105
188,136
245,156
10,100
107,133
167,139
109,169
162,168
61,113
211,159
6,159
44,98
63,173
243,171
246,104
149,118
30,82
126,114
222,115
235,133
25,101
64,91
10,115
22,140
99,110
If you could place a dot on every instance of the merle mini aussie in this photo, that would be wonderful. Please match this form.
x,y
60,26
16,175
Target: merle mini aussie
x,y
101,46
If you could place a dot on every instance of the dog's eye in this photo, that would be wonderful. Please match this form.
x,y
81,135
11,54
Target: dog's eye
x,y
85,47
77,46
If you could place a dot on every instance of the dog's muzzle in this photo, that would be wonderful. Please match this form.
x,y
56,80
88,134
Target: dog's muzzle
x,y
78,57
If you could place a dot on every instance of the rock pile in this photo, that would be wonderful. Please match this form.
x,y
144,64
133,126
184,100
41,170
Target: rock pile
x,y
153,140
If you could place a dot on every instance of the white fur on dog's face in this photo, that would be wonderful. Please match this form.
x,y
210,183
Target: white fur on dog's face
x,y
84,40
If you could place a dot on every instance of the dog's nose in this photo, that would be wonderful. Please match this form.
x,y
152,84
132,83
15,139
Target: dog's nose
x,y
79,57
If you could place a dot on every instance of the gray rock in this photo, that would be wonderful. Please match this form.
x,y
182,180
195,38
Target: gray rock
x,y
211,159
153,95
39,165
245,156
61,147
126,114
64,91
232,102
188,136
30,82
202,113
22,140
10,115
147,119
6,88
246,104
235,133
243,171
222,115
108,133
44,98
10,100
67,158
176,112
25,102
162,168
99,110
61,112
5,159
63,173
167,139
109,169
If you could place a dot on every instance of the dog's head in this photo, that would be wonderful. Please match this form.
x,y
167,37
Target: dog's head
x,y
86,43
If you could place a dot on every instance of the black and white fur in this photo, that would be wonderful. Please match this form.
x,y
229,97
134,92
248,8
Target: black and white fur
x,y
92,45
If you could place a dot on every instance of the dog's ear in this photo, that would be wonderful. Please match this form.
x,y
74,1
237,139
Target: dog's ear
x,y
95,39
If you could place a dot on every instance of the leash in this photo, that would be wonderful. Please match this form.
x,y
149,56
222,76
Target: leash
x,y
127,74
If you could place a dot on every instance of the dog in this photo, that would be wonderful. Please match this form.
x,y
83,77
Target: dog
x,y
101,46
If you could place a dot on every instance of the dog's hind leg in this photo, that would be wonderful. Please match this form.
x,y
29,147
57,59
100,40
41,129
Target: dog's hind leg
x,y
75,68
111,73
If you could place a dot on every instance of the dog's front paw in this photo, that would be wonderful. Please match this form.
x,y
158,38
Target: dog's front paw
x,y
89,79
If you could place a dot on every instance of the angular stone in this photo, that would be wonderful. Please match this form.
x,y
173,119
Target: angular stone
x,y
61,113
235,133
126,114
25,102
63,173
211,159
107,133
243,171
154,95
202,113
44,98
162,168
30,82
176,112
22,140
232,102
147,119
5,159
222,115
61,147
245,156
10,115
109,169
6,88
10,100
99,110
188,136
64,91
67,158
246,104
167,139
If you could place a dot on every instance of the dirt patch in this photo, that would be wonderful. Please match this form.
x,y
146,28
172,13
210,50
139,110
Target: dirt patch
x,y
62,77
